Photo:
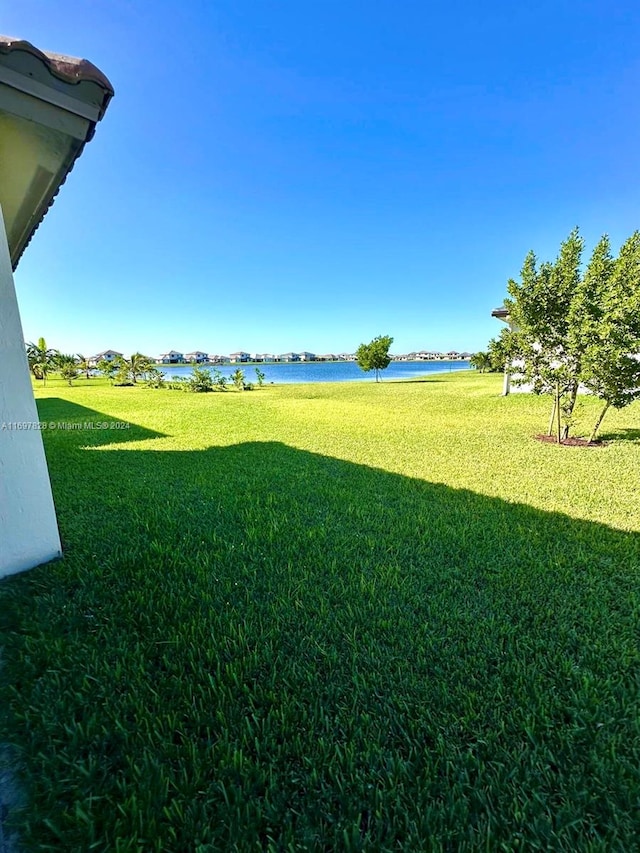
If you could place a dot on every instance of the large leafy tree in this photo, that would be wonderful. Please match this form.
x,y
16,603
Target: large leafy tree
x,y
574,329
540,306
503,350
609,324
375,355
42,359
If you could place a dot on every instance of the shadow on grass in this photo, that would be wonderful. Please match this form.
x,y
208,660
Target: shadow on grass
x,y
632,435
78,426
256,645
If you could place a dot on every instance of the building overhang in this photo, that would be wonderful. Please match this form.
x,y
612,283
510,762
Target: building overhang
x,y
49,107
501,314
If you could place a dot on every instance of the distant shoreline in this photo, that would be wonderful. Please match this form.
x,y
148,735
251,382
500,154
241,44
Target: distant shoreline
x,y
306,363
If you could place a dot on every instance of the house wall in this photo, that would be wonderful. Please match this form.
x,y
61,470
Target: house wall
x,y
28,527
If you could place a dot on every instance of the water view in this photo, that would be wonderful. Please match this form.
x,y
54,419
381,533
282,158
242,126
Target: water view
x,y
324,371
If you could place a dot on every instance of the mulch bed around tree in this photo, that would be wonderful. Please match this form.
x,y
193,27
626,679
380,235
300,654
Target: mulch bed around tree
x,y
572,441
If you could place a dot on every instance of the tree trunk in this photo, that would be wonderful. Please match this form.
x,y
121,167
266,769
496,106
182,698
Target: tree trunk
x,y
558,410
553,417
572,403
594,432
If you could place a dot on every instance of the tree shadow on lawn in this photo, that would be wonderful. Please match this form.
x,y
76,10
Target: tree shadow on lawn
x,y
255,642
625,434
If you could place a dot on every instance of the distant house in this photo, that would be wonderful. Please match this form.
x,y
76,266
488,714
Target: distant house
x,y
289,356
106,355
197,356
326,357
346,356
307,356
171,357
238,357
217,359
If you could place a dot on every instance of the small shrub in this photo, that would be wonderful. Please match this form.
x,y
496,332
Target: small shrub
x,y
155,378
237,377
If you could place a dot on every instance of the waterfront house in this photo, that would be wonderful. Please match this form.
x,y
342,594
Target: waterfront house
x,y
326,357
106,355
239,357
171,357
197,356
289,357
307,356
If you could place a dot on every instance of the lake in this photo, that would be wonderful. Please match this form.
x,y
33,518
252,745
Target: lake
x,y
323,371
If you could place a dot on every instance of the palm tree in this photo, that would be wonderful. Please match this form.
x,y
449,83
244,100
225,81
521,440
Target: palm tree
x,y
84,366
139,364
132,369
108,368
41,359
67,366
481,361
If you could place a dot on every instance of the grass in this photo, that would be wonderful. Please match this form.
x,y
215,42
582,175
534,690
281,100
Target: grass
x,y
330,617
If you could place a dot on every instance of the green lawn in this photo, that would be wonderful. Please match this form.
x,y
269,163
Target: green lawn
x,y
330,617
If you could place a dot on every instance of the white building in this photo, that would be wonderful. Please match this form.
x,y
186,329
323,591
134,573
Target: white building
x,y
171,357
49,108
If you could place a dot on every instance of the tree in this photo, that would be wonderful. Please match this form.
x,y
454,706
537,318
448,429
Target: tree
x,y
129,370
375,355
574,329
237,377
540,307
66,366
481,361
107,368
503,350
84,365
609,324
41,359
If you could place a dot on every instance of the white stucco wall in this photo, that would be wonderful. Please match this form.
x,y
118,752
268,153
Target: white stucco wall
x,y
28,527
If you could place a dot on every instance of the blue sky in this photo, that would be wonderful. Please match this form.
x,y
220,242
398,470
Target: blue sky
x,y
285,176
